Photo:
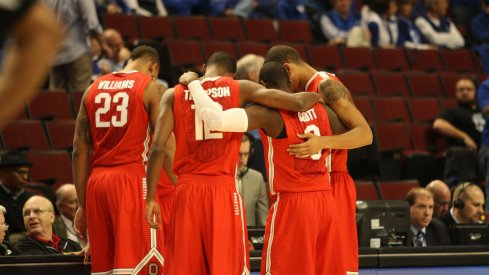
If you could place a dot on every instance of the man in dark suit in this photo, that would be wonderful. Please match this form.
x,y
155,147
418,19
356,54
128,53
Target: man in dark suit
x,y
426,230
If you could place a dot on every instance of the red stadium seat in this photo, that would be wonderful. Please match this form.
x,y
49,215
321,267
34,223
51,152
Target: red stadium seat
x,y
390,84
392,137
326,58
424,85
425,138
449,80
211,47
61,133
257,48
425,60
447,103
226,28
366,190
458,61
158,28
51,105
359,84
295,31
260,30
424,109
359,58
25,134
76,98
391,59
364,105
126,25
51,166
397,190
391,109
191,27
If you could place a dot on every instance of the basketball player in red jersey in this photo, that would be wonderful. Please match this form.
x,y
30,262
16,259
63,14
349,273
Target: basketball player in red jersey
x,y
304,77
275,75
112,135
207,228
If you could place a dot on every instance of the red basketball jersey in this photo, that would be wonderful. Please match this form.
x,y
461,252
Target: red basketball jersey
x,y
339,157
287,173
119,123
201,151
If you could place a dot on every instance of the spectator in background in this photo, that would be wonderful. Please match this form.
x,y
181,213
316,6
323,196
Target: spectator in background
x,y
181,7
379,16
410,36
462,12
251,186
248,67
462,126
147,7
483,98
14,174
442,197
67,204
436,26
38,215
339,23
36,37
426,230
72,69
111,7
5,248
290,10
120,53
467,203
479,25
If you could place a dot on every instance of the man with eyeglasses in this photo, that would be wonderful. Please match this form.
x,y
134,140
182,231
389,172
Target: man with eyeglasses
x,y
14,174
462,126
38,215
442,196
5,248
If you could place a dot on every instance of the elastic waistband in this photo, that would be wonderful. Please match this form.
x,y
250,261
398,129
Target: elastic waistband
x,y
293,194
128,168
205,179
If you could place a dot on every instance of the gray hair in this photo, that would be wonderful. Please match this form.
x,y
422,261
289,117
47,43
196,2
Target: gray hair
x,y
3,210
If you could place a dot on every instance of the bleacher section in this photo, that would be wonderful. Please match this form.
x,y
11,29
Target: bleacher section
x,y
399,92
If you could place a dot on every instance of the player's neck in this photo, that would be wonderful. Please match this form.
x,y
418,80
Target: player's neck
x,y
306,73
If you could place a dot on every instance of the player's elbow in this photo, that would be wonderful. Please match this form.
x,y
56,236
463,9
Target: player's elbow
x,y
368,136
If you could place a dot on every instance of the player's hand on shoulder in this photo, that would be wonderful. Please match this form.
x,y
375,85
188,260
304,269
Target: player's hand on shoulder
x,y
311,146
188,77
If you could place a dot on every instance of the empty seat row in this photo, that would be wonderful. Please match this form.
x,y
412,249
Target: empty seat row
x,y
38,135
51,167
414,84
209,28
384,190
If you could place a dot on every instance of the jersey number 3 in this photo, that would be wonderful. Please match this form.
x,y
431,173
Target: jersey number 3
x,y
315,130
121,100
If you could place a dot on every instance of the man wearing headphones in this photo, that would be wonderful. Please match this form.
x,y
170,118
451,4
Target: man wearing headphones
x,y
251,186
467,205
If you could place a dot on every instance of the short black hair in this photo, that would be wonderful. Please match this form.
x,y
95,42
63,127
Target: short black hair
x,y
274,75
283,54
146,52
223,60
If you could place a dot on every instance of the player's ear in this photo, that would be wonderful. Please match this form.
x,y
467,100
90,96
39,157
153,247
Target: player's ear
x,y
288,67
204,67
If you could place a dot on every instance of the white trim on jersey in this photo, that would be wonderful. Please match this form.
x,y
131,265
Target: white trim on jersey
x,y
115,271
245,243
270,238
271,166
351,273
146,145
152,252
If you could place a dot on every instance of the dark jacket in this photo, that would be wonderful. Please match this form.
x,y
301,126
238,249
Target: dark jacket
x,y
6,249
32,246
437,233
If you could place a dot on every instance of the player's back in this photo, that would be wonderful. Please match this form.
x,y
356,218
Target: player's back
x,y
338,157
287,173
199,150
119,122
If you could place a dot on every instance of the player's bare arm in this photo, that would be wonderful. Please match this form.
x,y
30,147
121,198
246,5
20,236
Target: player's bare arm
x,y
152,98
336,96
265,118
273,98
82,143
156,160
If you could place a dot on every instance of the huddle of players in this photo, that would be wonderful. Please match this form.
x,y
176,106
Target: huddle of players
x,y
314,197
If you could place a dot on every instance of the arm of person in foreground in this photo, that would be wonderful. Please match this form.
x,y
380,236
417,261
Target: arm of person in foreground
x,y
26,63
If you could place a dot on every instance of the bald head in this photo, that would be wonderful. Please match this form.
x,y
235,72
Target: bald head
x,y
469,208
249,67
442,196
66,200
38,215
